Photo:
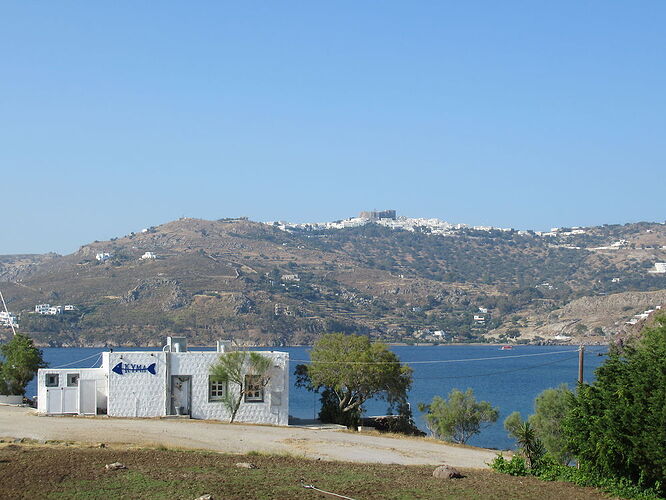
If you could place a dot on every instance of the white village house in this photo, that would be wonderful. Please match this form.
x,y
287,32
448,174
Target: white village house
x,y
174,381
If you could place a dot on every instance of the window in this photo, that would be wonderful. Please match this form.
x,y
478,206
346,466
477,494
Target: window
x,y
254,389
52,380
72,380
217,389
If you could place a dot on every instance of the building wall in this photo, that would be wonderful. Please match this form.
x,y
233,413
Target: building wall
x,y
273,410
137,394
98,374
142,394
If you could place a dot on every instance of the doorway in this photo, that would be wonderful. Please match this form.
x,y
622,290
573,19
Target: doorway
x,y
181,394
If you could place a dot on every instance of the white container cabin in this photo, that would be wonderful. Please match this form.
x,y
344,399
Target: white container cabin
x,y
174,381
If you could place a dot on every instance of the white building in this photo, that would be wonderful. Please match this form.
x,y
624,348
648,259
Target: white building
x,y
48,309
659,268
173,381
103,256
70,307
148,255
8,319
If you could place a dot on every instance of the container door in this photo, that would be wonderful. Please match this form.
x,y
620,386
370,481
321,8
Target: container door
x,y
88,395
70,400
54,400
181,390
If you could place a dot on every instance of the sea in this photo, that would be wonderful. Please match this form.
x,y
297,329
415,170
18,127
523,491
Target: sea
x,y
508,379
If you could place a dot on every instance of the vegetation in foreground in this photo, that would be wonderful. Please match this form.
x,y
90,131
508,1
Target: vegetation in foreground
x,y
70,472
615,428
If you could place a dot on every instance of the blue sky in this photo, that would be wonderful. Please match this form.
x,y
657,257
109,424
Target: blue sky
x,y
119,115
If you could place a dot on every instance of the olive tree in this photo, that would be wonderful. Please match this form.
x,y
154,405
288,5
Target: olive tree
x,y
21,361
350,370
459,417
243,373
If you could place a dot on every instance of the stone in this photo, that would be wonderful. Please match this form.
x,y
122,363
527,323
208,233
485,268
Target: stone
x,y
101,445
205,497
446,472
246,465
115,466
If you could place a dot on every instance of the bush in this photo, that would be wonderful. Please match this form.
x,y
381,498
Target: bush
x,y
617,426
459,417
514,467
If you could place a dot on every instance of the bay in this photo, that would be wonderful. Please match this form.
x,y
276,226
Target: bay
x,y
508,379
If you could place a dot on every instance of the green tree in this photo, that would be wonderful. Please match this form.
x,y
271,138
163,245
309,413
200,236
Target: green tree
x,y
617,425
242,372
21,362
349,370
459,417
550,410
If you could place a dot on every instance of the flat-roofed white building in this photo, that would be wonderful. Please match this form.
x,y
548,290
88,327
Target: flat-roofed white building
x,y
174,381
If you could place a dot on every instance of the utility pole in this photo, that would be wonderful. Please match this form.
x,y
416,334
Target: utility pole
x,y
581,362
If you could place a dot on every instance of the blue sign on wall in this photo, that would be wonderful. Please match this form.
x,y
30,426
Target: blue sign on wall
x,y
121,368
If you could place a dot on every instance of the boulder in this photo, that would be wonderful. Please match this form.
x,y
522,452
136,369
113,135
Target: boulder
x,y
205,497
446,472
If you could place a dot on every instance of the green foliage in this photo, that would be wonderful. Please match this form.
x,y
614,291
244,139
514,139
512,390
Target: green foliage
x,y
349,370
21,361
231,368
525,435
459,417
514,467
617,425
550,410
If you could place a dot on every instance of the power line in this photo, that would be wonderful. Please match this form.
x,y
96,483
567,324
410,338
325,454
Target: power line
x,y
497,373
491,358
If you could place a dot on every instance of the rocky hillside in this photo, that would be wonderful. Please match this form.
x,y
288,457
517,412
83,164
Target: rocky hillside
x,y
274,284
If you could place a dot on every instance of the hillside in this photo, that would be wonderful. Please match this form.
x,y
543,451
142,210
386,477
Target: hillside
x,y
276,284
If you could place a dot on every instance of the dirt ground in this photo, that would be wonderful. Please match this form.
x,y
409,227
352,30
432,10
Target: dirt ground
x,y
325,444
68,471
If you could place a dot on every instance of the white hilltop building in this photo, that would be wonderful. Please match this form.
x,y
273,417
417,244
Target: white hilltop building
x,y
103,256
149,256
48,309
173,381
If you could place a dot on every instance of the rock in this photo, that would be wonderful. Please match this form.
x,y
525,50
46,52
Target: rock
x,y
246,465
101,445
115,466
205,497
446,472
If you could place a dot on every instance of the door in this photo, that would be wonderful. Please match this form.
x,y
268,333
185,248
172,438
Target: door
x,y
181,394
70,400
88,397
54,400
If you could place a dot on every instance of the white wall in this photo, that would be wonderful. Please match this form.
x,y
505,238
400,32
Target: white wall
x,y
98,374
142,394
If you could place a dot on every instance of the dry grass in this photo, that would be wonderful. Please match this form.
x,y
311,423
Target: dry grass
x,y
77,472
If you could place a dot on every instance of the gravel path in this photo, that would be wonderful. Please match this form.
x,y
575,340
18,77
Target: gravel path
x,y
327,444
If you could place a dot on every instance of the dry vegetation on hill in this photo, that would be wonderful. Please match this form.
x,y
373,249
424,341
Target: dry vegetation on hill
x,y
259,284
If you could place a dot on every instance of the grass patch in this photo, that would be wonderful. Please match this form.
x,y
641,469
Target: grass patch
x,y
61,472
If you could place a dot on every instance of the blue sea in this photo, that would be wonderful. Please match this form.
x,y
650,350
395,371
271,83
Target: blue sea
x,y
508,379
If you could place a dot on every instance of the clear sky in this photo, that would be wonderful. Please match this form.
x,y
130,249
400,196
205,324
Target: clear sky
x,y
115,116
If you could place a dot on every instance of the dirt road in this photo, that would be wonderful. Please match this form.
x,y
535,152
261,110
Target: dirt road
x,y
18,422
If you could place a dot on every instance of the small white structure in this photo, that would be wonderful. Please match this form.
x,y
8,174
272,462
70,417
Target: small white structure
x,y
70,307
659,268
8,319
103,256
148,255
173,381
48,309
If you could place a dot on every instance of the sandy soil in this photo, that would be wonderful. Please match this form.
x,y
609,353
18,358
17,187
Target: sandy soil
x,y
325,444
